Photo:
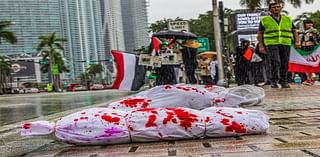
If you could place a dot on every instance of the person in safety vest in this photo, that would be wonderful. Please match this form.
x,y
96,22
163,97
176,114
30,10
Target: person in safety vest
x,y
276,32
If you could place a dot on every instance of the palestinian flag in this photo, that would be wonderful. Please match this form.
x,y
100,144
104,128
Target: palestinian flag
x,y
155,44
130,75
304,61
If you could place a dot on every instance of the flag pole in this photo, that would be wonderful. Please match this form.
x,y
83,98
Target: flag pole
x,y
217,37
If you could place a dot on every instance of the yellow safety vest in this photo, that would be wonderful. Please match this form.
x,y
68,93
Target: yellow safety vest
x,y
277,34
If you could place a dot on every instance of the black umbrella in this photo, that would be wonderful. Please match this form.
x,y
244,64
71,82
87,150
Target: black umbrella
x,y
175,35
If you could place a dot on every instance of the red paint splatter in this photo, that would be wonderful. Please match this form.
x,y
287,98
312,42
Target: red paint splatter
x,y
236,127
219,100
152,110
110,119
253,128
224,114
26,126
134,102
186,118
207,119
97,115
174,121
130,128
170,116
151,121
75,120
238,112
209,86
116,114
83,112
225,121
167,87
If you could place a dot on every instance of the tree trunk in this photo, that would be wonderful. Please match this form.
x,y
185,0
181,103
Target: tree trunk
x,y
1,83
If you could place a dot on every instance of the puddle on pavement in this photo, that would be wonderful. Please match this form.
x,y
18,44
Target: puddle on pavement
x,y
17,109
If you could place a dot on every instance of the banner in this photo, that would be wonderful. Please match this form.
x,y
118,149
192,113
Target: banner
x,y
304,61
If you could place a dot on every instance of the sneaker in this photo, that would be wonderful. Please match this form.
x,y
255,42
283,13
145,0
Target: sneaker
x,y
285,85
274,85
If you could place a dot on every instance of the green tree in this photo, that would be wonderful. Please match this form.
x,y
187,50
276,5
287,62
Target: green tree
x,y
161,25
52,45
254,4
94,69
5,69
298,21
6,34
315,18
5,66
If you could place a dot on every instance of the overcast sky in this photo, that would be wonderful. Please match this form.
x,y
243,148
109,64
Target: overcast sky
x,y
188,9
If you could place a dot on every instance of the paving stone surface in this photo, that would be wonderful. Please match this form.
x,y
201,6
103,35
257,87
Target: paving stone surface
x,y
294,131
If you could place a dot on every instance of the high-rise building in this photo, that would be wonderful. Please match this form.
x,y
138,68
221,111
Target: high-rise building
x,y
78,21
82,25
112,25
31,19
135,23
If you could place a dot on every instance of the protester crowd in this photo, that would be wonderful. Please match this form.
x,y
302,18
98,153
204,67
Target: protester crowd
x,y
268,61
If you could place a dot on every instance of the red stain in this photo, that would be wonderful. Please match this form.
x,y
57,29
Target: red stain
x,y
26,126
130,128
110,119
151,121
219,100
236,127
167,87
116,114
152,110
133,102
174,121
207,119
253,128
186,118
224,114
225,121
239,112
209,86
75,120
170,116
97,115
83,112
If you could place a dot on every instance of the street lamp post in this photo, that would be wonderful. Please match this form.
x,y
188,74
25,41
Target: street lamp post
x,y
217,37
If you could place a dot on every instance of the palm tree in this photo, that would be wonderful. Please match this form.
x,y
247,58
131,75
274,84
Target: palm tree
x,y
5,34
94,69
51,45
254,4
298,21
5,68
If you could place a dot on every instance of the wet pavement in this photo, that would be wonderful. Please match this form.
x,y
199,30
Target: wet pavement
x,y
294,131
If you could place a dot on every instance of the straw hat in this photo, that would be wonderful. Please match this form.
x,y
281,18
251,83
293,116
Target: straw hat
x,y
191,44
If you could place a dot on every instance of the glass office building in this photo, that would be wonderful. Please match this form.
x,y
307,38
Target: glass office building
x,y
135,23
78,21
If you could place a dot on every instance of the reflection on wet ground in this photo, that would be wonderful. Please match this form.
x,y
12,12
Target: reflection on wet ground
x,y
22,107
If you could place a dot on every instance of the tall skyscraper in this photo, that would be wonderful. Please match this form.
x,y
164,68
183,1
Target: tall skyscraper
x,y
112,25
31,19
78,21
82,25
135,23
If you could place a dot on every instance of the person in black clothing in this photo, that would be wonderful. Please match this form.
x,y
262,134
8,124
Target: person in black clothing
x,y
165,73
189,57
242,65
